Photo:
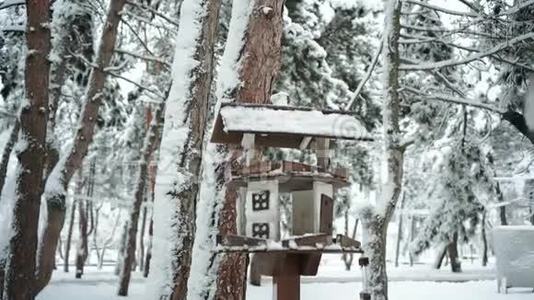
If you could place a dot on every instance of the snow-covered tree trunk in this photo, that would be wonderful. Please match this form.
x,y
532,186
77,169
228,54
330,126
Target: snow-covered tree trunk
x,y
30,150
177,181
375,220
62,173
6,154
256,52
151,142
122,249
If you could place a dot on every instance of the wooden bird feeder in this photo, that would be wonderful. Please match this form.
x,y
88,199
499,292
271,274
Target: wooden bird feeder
x,y
311,187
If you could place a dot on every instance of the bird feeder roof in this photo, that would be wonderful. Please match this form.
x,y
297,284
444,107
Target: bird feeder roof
x,y
284,126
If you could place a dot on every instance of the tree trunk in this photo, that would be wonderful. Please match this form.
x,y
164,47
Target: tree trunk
x,y
4,163
82,248
375,220
440,256
452,249
8,148
151,187
484,240
259,62
502,209
142,237
375,249
148,258
21,263
55,196
69,235
399,233
2,274
412,236
187,104
95,236
348,259
122,249
151,142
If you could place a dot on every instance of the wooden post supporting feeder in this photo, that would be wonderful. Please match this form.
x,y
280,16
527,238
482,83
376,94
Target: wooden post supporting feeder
x,y
311,187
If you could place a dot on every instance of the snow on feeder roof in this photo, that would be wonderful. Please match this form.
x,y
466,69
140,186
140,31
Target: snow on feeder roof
x,y
284,126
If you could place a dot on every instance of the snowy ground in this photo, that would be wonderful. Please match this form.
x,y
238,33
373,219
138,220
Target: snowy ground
x,y
417,283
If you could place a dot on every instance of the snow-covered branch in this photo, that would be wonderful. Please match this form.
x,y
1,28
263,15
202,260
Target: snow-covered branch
x,y
455,100
152,10
471,58
149,22
463,31
9,3
14,28
366,78
517,7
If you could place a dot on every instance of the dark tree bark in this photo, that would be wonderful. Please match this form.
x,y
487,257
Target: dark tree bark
x,y
142,237
82,248
69,236
452,249
21,264
148,258
85,213
260,60
151,142
518,121
442,252
83,138
484,240
79,187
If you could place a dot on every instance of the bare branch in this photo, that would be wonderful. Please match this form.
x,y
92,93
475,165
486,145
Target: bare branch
x,y
366,78
442,9
134,32
477,56
7,114
140,86
109,72
144,57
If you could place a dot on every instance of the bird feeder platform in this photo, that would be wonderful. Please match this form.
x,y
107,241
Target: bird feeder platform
x,y
310,188
271,258
292,176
